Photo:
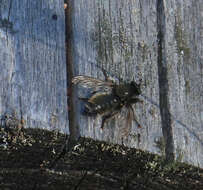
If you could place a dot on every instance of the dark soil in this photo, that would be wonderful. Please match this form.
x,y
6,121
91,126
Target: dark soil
x,y
25,165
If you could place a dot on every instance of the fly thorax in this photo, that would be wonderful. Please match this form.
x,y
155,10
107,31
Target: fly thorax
x,y
123,91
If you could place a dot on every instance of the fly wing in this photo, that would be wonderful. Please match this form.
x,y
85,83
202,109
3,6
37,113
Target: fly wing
x,y
125,119
93,83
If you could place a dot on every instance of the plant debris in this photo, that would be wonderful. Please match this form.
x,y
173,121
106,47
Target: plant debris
x,y
90,165
12,132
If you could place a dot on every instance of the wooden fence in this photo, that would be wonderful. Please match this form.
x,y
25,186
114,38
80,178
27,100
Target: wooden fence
x,y
158,41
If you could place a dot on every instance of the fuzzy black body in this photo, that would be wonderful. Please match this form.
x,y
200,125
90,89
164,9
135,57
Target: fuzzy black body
x,y
101,103
108,98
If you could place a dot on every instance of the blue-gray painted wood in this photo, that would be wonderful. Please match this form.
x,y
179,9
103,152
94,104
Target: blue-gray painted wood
x,y
32,62
121,36
184,35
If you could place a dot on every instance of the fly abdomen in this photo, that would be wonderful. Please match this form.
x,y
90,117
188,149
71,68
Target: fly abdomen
x,y
101,103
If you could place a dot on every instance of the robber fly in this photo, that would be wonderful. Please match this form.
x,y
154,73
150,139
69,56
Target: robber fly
x,y
109,99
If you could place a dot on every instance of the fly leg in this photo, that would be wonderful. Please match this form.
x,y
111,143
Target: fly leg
x,y
135,118
105,75
83,99
107,79
136,100
107,117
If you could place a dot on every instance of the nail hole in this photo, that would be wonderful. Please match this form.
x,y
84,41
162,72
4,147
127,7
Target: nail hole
x,y
54,17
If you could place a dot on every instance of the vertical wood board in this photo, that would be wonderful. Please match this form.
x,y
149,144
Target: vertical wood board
x,y
32,64
119,36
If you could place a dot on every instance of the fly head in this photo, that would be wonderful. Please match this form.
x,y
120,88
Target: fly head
x,y
135,88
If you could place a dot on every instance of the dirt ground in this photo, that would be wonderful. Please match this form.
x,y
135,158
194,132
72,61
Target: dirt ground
x,y
25,165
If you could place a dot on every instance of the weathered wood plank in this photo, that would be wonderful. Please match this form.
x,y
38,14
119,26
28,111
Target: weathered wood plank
x,y
32,64
121,36
183,53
